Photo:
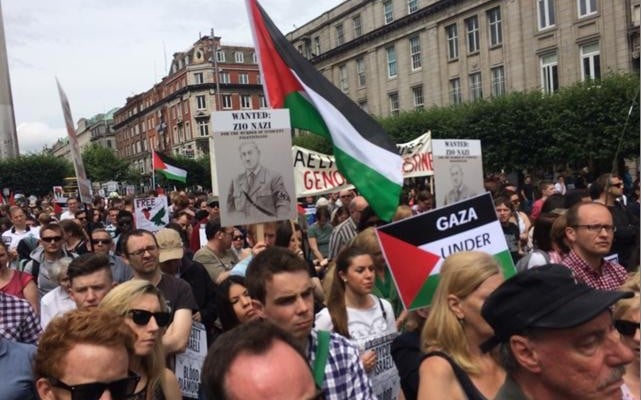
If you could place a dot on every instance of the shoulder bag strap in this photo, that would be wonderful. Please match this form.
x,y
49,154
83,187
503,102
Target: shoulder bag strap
x,y
322,351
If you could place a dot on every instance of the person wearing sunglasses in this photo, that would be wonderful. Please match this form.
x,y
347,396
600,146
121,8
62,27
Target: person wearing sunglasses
x,y
85,355
589,231
102,243
145,312
626,321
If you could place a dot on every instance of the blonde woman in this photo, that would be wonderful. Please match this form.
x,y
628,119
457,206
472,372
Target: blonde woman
x,y
454,367
626,320
145,312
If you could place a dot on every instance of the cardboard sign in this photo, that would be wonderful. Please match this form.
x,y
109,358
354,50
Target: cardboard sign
x,y
253,166
190,363
415,248
151,213
458,166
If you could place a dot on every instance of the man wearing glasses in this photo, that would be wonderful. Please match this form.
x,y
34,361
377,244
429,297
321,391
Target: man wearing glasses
x,y
589,231
84,354
43,257
141,252
102,243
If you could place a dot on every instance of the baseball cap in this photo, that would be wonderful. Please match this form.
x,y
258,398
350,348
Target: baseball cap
x,y
170,245
322,202
543,297
212,201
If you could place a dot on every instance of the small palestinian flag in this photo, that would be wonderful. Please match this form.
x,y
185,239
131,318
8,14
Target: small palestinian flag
x,y
166,166
415,248
364,152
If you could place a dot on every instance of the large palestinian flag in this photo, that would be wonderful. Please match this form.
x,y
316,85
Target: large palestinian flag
x,y
167,167
415,248
364,153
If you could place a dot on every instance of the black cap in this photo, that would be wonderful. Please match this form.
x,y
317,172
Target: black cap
x,y
543,297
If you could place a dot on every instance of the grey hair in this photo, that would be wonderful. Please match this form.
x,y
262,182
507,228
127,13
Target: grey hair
x,y
59,268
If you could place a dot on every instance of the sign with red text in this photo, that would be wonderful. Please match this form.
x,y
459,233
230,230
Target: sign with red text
x,y
316,173
151,213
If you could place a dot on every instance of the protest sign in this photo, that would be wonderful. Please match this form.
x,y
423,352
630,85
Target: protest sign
x,y
151,213
386,382
253,166
415,248
316,173
189,364
458,167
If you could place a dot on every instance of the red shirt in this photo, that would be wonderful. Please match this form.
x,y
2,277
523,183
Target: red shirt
x,y
610,277
16,285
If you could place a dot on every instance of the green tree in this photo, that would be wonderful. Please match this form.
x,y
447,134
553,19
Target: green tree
x,y
102,164
34,174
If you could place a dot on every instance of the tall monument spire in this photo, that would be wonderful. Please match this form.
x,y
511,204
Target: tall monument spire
x,y
8,135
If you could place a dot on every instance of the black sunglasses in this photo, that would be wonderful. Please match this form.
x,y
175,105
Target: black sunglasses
x,y
626,328
142,317
101,241
51,239
120,390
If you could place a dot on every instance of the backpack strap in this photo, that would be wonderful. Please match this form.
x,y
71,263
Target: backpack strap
x,y
322,351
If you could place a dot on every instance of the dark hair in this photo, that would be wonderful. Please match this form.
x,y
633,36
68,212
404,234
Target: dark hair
x,y
254,337
266,264
225,309
503,201
138,233
553,202
542,234
336,299
212,228
284,233
72,227
81,211
340,210
183,234
88,264
51,227
364,222
323,211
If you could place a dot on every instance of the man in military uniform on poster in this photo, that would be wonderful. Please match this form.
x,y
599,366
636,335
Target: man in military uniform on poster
x,y
258,191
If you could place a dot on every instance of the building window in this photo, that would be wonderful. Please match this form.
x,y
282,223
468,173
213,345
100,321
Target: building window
x,y
245,101
417,95
203,127
476,86
393,103
549,73
498,81
590,62
198,77
412,6
358,28
340,35
243,79
220,56
317,47
258,81
415,53
586,7
452,41
262,102
254,58
388,11
472,30
343,84
546,13
360,72
494,24
391,62
224,77
201,102
239,57
227,104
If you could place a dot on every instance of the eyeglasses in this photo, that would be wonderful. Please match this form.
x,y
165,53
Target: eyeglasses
x,y
101,241
596,228
142,317
141,252
120,390
51,239
626,328
238,238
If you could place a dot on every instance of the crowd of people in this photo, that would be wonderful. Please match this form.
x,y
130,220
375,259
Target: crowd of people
x,y
308,309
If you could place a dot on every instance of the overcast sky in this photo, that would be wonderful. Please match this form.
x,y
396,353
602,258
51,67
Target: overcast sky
x,y
103,51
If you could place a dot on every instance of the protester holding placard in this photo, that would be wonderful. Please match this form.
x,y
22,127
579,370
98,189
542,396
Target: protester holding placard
x,y
143,307
454,367
354,312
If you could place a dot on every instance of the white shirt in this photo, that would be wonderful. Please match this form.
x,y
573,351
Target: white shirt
x,y
54,303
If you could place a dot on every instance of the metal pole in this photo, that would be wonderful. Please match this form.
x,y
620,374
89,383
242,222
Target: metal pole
x,y
216,72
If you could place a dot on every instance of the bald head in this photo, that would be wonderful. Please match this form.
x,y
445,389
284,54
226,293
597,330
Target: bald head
x,y
356,206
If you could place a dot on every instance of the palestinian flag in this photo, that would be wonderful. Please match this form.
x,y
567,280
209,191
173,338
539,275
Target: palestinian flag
x,y
166,166
364,153
415,248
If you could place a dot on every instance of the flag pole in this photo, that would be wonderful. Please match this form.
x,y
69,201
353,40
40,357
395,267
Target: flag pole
x,y
153,170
